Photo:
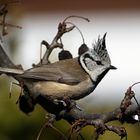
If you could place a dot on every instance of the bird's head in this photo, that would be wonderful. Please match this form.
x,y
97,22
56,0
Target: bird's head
x,y
96,61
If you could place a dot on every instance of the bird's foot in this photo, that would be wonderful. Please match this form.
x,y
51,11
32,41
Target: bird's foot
x,y
67,103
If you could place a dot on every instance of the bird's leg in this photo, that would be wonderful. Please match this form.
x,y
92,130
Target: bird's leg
x,y
67,103
70,103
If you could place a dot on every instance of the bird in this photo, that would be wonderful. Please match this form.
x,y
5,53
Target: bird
x,y
74,78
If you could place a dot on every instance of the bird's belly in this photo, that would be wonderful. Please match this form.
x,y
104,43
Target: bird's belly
x,y
56,90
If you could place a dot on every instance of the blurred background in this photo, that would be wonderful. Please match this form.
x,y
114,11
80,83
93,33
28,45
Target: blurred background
x,y
39,20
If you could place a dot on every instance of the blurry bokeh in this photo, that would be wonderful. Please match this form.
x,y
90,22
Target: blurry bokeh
x,y
39,21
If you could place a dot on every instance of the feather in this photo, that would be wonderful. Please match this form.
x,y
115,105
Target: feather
x,y
70,73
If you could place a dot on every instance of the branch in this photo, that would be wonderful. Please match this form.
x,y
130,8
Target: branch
x,y
124,113
62,29
68,110
55,44
79,119
3,14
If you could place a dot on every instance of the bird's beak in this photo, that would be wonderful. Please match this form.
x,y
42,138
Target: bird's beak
x,y
112,67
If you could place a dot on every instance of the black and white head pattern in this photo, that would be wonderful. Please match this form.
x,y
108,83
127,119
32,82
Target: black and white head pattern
x,y
96,60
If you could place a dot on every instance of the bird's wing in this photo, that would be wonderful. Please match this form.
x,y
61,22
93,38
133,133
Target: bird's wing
x,y
59,72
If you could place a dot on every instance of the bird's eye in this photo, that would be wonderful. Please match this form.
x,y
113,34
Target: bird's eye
x,y
99,63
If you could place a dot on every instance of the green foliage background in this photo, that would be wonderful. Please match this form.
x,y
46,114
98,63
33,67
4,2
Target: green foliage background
x,y
15,125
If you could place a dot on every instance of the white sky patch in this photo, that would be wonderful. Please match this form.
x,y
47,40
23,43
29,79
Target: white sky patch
x,y
122,40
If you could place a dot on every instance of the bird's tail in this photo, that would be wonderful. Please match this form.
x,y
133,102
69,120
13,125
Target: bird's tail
x,y
6,65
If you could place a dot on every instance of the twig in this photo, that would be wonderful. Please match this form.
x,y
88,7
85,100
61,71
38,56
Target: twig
x,y
62,29
75,16
11,25
99,121
78,30
134,96
3,14
49,123
55,44
40,131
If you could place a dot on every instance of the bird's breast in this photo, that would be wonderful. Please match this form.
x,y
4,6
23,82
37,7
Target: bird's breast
x,y
57,90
